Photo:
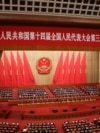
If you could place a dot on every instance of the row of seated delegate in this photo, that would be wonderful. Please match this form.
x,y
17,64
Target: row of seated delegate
x,y
91,90
40,128
31,93
78,126
82,126
6,93
6,127
67,91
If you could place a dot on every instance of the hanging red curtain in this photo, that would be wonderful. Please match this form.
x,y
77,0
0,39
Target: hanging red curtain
x,y
20,73
66,69
58,76
2,78
71,70
13,70
7,68
83,69
77,69
28,75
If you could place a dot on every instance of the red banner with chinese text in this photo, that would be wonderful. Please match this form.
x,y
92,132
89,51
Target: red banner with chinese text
x,y
48,36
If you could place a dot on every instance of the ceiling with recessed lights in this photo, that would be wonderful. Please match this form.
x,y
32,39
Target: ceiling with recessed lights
x,y
72,8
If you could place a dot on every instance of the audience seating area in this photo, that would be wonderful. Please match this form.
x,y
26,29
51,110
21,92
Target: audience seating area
x,y
51,94
67,91
91,90
68,119
6,127
68,126
32,93
82,126
40,128
5,94
71,94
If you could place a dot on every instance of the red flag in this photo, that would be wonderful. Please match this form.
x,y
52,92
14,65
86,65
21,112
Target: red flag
x,y
71,69
2,78
20,72
83,69
77,69
66,69
14,70
58,76
28,75
7,68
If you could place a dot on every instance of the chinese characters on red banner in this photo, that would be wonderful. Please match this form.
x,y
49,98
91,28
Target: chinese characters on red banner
x,y
48,36
51,36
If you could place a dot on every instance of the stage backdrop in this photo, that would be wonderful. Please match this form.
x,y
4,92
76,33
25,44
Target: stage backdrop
x,y
27,68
